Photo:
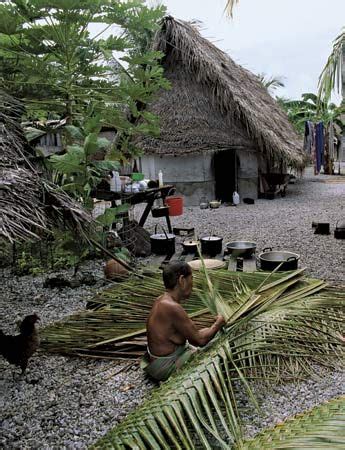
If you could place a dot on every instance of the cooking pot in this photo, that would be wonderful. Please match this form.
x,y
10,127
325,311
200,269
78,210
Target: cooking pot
x,y
240,248
214,204
339,231
211,245
162,243
269,260
160,211
190,246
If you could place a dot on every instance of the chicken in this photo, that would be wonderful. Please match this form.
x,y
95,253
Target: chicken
x,y
18,349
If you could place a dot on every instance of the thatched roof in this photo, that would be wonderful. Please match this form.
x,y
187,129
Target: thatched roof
x,y
214,104
29,204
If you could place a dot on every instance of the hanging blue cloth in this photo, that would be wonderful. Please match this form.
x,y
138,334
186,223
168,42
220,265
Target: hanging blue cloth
x,y
319,145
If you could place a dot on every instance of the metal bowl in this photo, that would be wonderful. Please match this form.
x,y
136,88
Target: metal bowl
x,y
241,248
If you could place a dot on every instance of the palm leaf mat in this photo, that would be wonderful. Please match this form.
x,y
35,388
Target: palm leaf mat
x,y
117,328
323,427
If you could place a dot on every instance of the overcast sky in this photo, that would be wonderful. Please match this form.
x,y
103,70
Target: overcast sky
x,y
289,38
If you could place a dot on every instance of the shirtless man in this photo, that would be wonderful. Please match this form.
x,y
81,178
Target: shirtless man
x,y
169,329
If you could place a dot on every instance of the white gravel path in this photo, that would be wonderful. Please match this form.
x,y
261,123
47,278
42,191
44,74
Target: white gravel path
x,y
70,402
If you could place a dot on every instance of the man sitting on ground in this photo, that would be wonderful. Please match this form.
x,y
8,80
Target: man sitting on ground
x,y
169,329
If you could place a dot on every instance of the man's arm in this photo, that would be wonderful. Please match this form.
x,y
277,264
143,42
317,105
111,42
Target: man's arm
x,y
187,328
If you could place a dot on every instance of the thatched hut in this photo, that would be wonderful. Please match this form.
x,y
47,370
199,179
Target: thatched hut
x,y
29,204
220,128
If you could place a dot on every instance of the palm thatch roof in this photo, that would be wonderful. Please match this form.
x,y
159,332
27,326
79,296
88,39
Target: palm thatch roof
x,y
214,104
29,204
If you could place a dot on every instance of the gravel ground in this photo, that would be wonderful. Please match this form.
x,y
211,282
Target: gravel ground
x,y
70,402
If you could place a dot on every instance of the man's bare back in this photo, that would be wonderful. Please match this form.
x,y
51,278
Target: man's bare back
x,y
168,324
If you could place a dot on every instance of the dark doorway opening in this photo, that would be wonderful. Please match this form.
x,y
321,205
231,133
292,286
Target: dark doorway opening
x,y
225,173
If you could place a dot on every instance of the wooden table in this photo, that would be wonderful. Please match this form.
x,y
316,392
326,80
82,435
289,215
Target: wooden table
x,y
148,196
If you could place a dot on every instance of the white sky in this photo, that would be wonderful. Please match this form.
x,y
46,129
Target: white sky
x,y
289,38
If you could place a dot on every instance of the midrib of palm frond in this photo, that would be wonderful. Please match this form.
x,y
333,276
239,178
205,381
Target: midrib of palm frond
x,y
321,427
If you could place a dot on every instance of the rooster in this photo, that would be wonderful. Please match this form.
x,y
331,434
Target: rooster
x,y
18,349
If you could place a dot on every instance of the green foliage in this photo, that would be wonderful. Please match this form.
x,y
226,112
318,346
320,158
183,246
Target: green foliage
x,y
50,59
111,215
79,172
310,108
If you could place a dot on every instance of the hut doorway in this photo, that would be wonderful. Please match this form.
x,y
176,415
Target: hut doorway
x,y
225,174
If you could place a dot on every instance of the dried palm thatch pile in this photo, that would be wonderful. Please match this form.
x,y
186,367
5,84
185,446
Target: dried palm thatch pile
x,y
29,204
214,104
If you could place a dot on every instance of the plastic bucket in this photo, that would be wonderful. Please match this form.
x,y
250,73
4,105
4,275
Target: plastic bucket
x,y
176,205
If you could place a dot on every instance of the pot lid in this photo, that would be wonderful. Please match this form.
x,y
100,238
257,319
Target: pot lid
x,y
211,238
190,242
162,236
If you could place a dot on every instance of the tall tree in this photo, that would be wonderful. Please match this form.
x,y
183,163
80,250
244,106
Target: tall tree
x,y
50,59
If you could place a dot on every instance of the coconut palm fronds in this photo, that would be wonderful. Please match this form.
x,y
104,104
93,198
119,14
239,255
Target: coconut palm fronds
x,y
229,7
197,406
321,427
330,77
117,327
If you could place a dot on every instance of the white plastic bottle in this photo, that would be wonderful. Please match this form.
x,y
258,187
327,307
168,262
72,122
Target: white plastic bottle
x,y
118,184
112,182
160,178
235,198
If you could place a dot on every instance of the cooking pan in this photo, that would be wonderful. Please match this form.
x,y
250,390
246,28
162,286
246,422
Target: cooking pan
x,y
269,260
211,245
244,249
162,243
190,246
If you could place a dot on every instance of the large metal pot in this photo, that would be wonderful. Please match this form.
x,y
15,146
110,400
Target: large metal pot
x,y
240,248
269,260
162,243
211,245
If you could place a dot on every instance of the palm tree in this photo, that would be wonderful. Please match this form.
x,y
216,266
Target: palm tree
x,y
271,83
330,77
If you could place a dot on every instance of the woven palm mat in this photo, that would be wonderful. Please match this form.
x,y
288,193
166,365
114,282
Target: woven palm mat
x,y
321,427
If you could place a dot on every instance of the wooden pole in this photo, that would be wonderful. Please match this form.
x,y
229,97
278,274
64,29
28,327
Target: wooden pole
x,y
122,263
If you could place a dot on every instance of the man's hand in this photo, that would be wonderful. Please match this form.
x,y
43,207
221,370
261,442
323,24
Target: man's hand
x,y
220,321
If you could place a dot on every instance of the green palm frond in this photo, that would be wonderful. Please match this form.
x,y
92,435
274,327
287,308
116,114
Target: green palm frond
x,y
117,327
197,406
330,77
322,427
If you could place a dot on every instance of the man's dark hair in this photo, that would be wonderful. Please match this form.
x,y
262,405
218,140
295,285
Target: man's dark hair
x,y
173,271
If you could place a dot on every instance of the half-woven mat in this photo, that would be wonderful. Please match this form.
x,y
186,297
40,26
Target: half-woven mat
x,y
209,264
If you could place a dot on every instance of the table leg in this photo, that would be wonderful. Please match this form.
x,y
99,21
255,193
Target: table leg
x,y
146,212
167,217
